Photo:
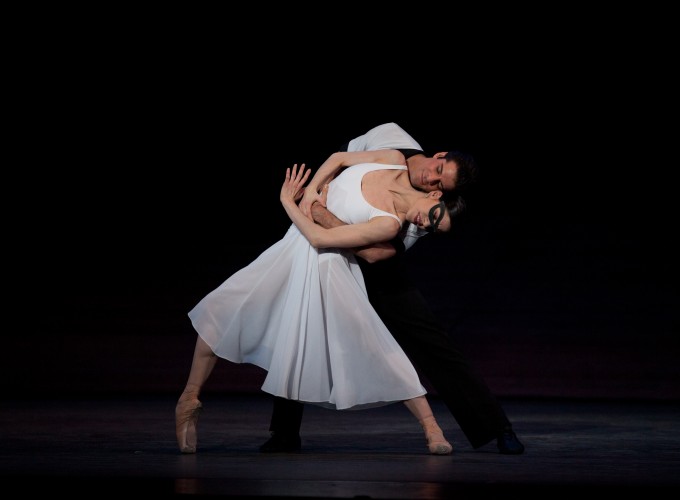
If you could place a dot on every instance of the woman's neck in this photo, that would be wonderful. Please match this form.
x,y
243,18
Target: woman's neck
x,y
403,193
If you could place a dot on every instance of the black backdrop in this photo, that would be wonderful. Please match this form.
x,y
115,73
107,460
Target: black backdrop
x,y
152,181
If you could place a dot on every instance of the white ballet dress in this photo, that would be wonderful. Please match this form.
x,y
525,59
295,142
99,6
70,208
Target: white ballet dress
x,y
303,315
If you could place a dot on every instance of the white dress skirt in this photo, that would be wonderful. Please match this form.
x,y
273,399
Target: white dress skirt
x,y
303,315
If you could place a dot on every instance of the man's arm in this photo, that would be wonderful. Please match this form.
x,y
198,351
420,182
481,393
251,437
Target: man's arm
x,y
372,253
385,136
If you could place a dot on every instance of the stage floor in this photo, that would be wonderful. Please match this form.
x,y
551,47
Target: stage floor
x,y
125,446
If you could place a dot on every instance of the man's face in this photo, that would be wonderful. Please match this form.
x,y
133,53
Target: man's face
x,y
434,174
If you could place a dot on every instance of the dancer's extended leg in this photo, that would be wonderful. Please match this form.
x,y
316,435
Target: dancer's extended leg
x,y
188,406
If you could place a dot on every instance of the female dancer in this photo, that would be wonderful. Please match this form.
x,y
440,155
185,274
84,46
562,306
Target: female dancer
x,y
300,310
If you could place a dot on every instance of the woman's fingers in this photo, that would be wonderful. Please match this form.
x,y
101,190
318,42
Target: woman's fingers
x,y
295,179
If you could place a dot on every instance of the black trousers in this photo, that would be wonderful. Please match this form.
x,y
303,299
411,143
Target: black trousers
x,y
409,318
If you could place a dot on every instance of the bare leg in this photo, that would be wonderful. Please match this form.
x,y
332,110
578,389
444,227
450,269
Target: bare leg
x,y
436,443
189,407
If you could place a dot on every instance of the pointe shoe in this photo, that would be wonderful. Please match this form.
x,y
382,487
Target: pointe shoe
x,y
186,420
436,443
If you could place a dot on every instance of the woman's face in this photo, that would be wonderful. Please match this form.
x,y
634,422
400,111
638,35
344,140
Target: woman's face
x,y
430,213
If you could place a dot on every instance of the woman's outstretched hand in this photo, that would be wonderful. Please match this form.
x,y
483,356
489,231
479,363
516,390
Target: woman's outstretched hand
x,y
293,185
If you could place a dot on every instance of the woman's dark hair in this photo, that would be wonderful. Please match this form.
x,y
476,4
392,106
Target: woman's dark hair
x,y
454,203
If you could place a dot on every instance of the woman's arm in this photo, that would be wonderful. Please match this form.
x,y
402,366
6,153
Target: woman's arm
x,y
338,161
376,230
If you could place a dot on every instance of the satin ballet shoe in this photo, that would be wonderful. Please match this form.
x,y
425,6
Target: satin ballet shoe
x,y
186,421
436,443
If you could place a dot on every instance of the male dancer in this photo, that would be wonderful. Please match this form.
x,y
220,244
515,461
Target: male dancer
x,y
407,315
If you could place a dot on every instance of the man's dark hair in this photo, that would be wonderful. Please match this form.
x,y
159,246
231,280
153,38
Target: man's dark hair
x,y
466,177
467,170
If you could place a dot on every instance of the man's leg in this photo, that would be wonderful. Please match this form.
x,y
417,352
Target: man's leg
x,y
468,398
284,427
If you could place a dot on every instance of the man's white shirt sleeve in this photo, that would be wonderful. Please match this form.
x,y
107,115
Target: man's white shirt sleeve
x,y
385,136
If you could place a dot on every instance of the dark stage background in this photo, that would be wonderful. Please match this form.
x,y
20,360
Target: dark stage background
x,y
155,186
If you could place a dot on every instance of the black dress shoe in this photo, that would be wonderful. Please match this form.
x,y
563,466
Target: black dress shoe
x,y
282,443
508,444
